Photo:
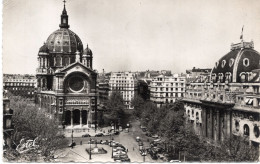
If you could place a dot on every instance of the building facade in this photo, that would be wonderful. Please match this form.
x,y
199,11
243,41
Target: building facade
x,y
126,84
228,102
166,89
7,121
20,85
66,81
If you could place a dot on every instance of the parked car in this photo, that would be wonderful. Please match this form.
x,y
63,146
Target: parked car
x,y
144,129
148,134
99,135
153,154
72,144
86,135
119,157
137,139
106,142
140,143
116,133
155,136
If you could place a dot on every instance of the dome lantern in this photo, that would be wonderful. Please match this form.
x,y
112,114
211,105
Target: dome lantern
x,y
64,18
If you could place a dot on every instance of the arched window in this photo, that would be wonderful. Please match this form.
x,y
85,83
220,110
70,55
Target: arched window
x,y
228,76
223,63
246,130
58,61
237,126
231,62
221,77
243,77
256,131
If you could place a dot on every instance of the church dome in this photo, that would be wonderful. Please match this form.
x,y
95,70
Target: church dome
x,y
64,40
238,64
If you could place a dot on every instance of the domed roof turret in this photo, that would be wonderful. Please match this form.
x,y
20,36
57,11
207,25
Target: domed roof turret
x,y
87,52
44,48
241,60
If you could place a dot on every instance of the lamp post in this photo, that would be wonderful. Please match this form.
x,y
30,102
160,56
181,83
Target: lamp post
x,y
72,138
90,149
112,148
143,153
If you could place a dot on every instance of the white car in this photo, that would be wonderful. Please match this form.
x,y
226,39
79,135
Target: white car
x,y
119,153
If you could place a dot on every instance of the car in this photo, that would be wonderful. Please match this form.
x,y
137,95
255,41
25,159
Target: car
x,y
148,134
106,142
157,140
116,133
119,157
144,129
155,136
173,161
137,139
125,160
86,135
72,144
99,135
119,153
140,143
126,130
153,154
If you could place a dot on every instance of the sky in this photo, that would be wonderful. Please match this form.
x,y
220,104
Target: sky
x,y
131,35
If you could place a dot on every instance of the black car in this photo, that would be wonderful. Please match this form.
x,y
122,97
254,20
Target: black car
x,y
86,135
148,134
99,135
116,133
72,144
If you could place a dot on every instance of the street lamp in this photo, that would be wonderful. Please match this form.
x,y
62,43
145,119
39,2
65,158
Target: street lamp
x,y
143,153
112,148
72,138
90,149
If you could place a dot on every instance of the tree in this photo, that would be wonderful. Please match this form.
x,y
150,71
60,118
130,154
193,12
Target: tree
x,y
115,106
30,122
138,103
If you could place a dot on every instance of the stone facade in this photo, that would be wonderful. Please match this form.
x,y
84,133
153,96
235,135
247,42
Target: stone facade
x,y
66,82
228,101
166,89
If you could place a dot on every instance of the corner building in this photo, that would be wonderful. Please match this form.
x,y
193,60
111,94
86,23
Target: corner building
x,y
228,103
66,82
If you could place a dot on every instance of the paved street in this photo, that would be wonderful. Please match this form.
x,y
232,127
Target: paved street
x,y
127,139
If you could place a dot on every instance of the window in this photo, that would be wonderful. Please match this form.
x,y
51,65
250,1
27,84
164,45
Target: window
x,y
246,62
246,130
231,62
223,63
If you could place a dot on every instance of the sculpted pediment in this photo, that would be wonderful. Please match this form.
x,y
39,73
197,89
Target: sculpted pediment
x,y
77,67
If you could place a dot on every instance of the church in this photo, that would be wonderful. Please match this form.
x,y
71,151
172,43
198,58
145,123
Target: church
x,y
66,81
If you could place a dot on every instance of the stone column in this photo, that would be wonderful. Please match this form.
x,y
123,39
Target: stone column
x,y
54,64
71,118
46,62
216,124
255,103
204,122
209,126
228,123
87,117
80,118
